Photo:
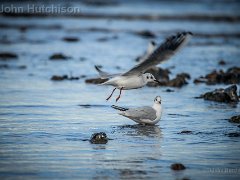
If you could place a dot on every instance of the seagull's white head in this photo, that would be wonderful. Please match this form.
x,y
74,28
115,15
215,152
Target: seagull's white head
x,y
158,100
148,77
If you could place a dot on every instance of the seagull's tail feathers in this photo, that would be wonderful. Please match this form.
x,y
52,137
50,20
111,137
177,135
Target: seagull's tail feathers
x,y
119,108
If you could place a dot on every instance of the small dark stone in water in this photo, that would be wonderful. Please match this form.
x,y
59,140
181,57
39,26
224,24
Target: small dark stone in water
x,y
227,95
177,166
58,56
118,67
83,76
222,62
95,80
102,39
233,134
7,56
169,90
235,119
185,132
99,138
83,59
63,77
70,39
146,34
6,66
59,78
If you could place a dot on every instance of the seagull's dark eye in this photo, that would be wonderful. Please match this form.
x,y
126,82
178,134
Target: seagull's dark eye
x,y
147,77
151,77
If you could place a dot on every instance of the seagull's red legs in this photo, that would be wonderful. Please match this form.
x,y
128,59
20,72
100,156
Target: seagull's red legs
x,y
111,94
119,94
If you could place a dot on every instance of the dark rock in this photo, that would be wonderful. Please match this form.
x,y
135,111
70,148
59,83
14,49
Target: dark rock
x,y
178,81
231,76
83,76
222,62
99,138
177,166
95,80
235,119
70,39
146,34
227,95
59,78
64,77
169,90
185,132
6,66
233,134
102,39
8,55
83,59
159,73
58,56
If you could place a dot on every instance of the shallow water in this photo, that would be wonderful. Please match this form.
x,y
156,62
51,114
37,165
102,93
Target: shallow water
x,y
43,124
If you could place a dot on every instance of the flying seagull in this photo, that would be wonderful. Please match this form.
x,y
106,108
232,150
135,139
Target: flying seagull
x,y
136,77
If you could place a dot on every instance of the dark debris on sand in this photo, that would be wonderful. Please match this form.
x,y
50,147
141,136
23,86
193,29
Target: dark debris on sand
x,y
235,119
228,95
177,166
99,138
59,56
231,76
8,56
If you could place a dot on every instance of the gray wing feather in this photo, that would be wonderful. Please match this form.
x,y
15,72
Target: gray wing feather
x,y
105,75
162,53
145,112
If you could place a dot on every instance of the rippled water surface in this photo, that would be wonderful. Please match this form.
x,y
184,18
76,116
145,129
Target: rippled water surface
x,y
44,123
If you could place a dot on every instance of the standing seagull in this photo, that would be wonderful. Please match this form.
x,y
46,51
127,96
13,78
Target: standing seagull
x,y
136,77
145,114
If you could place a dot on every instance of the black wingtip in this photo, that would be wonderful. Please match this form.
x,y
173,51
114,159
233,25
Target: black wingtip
x,y
96,67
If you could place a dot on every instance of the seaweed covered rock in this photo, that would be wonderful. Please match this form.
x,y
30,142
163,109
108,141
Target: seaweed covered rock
x,y
235,119
63,77
59,56
177,166
99,138
227,95
7,56
159,73
231,76
179,81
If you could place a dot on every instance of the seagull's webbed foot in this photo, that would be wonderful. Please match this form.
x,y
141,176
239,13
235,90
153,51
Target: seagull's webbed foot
x,y
111,94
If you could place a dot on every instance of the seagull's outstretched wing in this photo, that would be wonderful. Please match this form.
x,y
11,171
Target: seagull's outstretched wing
x,y
162,53
105,75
